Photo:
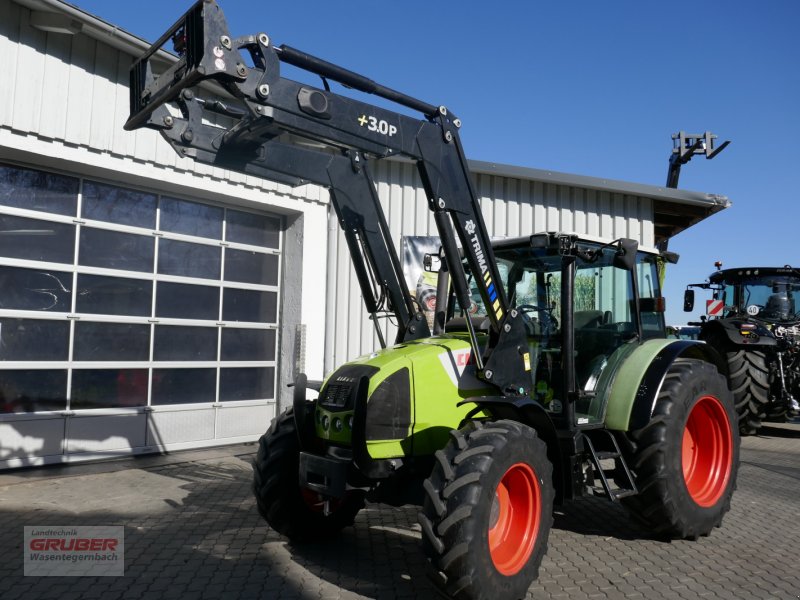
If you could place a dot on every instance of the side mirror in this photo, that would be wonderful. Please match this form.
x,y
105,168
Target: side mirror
x,y
688,301
540,240
625,257
431,263
670,257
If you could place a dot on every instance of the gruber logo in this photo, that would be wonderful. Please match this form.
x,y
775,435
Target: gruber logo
x,y
76,551
74,544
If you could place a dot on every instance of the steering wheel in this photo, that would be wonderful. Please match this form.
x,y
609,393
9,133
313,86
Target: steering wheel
x,y
548,322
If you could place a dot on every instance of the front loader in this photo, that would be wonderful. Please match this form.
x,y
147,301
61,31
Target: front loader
x,y
561,383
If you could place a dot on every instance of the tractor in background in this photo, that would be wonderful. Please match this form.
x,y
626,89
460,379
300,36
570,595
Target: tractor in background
x,y
753,320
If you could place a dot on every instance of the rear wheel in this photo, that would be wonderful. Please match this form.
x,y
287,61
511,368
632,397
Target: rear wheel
x,y
750,381
685,460
294,511
488,511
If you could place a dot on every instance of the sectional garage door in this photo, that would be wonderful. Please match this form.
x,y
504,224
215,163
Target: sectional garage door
x,y
131,320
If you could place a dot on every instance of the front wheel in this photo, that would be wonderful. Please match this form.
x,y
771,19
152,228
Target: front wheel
x,y
294,511
685,460
488,511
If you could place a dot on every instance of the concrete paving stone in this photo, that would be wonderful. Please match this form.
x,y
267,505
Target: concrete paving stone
x,y
16,591
173,592
209,539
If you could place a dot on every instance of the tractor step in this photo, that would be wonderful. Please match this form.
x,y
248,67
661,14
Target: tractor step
x,y
605,455
620,474
618,493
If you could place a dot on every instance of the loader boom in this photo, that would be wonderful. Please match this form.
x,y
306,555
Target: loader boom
x,y
251,120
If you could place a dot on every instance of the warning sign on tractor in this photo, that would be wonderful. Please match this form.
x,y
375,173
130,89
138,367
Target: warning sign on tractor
x,y
714,308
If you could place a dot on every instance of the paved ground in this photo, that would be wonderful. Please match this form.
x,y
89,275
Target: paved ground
x,y
191,531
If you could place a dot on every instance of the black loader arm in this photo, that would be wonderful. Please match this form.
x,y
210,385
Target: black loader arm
x,y
218,108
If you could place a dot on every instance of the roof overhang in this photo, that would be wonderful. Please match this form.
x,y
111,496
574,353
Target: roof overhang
x,y
673,209
57,16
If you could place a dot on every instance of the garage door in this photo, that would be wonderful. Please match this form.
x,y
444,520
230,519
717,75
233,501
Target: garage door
x,y
130,319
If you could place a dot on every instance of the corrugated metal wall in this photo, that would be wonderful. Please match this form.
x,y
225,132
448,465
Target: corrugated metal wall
x,y
512,207
74,89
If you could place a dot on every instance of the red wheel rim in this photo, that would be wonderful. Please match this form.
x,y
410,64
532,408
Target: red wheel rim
x,y
316,503
707,451
515,517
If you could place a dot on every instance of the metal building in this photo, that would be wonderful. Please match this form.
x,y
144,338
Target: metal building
x,y
150,303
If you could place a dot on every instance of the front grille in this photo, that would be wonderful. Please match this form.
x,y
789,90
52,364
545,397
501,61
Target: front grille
x,y
336,395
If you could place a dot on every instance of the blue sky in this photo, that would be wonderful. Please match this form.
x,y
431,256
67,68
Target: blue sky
x,y
586,87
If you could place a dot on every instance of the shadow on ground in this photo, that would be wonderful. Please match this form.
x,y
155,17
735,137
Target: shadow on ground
x,y
790,431
599,516
207,540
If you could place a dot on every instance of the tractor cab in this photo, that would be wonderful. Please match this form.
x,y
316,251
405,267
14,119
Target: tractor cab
x,y
767,294
598,299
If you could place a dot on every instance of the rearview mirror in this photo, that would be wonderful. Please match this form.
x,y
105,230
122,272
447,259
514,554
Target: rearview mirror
x,y
688,301
431,263
625,257
670,257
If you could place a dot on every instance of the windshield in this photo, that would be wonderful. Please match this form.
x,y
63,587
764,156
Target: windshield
x,y
602,292
768,298
603,314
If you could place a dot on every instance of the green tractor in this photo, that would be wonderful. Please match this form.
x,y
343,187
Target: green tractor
x,y
561,383
754,323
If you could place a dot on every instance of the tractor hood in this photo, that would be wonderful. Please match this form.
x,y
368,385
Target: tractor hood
x,y
445,358
405,397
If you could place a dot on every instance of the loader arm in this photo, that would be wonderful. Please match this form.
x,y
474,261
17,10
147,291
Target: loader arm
x,y
216,107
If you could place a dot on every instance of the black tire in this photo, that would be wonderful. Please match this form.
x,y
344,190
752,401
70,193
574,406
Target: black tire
x,y
777,412
750,382
685,460
487,473
287,508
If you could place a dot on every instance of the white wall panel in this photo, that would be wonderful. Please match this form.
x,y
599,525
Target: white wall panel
x,y
56,80
28,91
167,426
105,432
9,53
24,439
238,421
78,99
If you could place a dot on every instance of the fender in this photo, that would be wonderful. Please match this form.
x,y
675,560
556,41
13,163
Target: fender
x,y
731,329
633,398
